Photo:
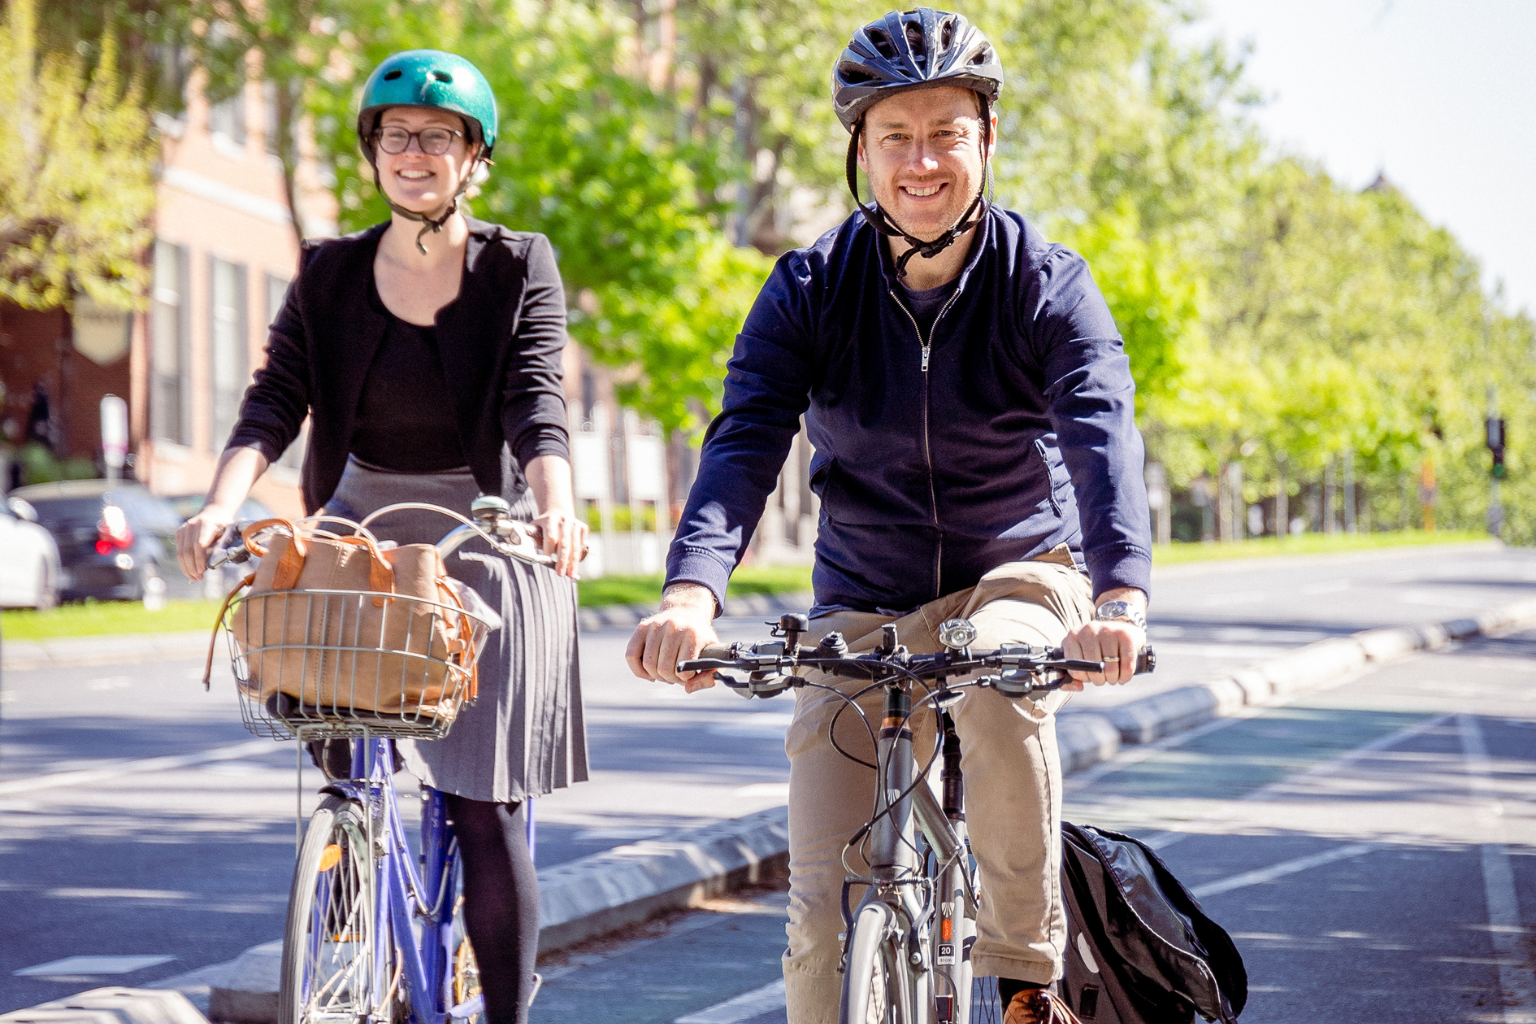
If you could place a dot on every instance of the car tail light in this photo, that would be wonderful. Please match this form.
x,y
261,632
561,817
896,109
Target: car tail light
x,y
113,532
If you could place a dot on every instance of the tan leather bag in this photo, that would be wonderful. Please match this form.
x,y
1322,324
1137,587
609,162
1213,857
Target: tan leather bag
x,y
396,639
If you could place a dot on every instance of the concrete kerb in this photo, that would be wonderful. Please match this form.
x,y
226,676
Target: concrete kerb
x,y
610,890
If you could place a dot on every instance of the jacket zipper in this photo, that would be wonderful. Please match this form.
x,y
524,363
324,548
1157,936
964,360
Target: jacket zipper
x,y
933,498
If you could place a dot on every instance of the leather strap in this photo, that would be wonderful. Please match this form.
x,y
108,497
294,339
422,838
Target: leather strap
x,y
218,622
381,575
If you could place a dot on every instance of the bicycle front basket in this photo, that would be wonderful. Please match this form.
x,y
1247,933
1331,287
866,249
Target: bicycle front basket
x,y
330,663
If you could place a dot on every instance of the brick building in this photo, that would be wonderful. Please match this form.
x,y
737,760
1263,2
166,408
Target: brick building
x,y
225,249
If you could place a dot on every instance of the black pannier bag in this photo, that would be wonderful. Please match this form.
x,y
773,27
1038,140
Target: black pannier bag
x,y
1139,948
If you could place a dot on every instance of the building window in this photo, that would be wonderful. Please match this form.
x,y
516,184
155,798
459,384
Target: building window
x,y
269,115
277,293
226,347
168,344
227,117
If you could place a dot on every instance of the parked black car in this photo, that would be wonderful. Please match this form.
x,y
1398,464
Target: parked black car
x,y
116,540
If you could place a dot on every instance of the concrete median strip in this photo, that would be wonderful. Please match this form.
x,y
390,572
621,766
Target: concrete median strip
x,y
628,884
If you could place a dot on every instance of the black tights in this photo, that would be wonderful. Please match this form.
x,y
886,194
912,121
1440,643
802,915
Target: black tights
x,y
501,902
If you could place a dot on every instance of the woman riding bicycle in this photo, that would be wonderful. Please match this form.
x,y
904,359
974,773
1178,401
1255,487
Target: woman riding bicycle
x,y
426,352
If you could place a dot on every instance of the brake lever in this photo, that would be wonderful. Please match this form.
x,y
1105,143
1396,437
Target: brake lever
x,y
234,554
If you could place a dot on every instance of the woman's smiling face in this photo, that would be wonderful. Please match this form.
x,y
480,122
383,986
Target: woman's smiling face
x,y
416,180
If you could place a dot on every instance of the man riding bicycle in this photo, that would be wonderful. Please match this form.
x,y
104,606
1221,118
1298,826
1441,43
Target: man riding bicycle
x,y
971,407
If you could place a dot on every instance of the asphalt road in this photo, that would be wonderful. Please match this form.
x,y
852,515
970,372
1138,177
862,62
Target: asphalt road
x,y
178,840
1371,849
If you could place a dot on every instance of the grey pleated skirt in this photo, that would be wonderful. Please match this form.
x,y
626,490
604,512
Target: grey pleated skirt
x,y
524,736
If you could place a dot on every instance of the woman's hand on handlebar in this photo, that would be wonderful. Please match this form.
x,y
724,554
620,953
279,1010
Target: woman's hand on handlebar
x,y
563,536
196,536
678,632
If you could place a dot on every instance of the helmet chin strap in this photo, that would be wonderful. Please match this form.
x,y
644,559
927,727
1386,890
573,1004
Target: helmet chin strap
x,y
884,224
434,225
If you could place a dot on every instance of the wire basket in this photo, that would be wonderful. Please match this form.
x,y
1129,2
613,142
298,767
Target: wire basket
x,y
321,664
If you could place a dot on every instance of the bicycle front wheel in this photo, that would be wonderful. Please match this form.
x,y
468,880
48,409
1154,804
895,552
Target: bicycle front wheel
x,y
874,983
337,969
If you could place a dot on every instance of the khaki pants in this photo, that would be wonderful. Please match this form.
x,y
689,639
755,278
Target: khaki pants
x,y
1012,785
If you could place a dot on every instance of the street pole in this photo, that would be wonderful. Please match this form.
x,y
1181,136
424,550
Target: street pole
x,y
1496,446
1349,492
114,435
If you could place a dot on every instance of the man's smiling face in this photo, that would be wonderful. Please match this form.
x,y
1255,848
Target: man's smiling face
x,y
922,152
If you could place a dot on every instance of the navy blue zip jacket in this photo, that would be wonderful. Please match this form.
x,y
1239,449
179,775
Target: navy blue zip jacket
x,y
1007,433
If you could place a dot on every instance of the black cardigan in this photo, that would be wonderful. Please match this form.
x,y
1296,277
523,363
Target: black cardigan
x,y
500,342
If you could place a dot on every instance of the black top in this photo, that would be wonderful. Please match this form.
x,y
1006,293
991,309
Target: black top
x,y
405,417
925,303
499,344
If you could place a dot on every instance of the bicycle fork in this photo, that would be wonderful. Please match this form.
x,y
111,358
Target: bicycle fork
x,y
955,929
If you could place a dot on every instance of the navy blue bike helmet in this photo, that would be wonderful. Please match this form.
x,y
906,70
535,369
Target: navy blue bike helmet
x,y
903,51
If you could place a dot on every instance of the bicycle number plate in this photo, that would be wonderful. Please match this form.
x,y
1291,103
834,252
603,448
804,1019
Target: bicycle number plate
x,y
946,957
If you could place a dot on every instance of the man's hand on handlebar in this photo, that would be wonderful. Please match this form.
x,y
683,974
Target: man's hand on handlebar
x,y
1112,641
196,536
678,632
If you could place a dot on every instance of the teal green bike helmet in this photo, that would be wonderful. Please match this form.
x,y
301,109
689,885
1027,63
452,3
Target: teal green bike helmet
x,y
428,78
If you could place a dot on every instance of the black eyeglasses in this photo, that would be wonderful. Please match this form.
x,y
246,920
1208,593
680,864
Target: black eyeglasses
x,y
433,141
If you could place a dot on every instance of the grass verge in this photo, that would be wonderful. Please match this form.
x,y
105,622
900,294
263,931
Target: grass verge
x,y
93,618
106,617
752,579
1309,544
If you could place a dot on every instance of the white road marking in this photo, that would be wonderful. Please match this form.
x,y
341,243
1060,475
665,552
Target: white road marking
x,y
77,965
744,1007
1516,981
112,769
1288,867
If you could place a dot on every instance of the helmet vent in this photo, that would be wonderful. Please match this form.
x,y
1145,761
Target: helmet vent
x,y
915,41
442,76
883,43
851,75
946,35
390,76
983,56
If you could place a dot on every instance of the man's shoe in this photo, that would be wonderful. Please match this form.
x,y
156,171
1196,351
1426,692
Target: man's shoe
x,y
1038,1006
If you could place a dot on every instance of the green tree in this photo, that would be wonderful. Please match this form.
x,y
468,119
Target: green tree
x,y
76,183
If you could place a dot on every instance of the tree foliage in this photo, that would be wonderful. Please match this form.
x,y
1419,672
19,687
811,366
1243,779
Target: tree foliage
x,y
76,185
1275,319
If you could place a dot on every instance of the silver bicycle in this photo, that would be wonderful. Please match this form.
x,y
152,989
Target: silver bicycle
x,y
907,945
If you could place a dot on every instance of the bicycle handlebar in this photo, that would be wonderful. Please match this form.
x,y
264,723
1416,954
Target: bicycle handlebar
x,y
1015,670
494,524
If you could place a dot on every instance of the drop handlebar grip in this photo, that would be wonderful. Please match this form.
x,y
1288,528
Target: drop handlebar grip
x,y
1146,660
720,652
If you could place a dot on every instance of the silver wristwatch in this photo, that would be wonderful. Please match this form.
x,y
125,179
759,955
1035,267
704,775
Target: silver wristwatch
x,y
1123,611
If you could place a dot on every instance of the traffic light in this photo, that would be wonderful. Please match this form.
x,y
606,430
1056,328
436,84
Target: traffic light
x,y
1496,445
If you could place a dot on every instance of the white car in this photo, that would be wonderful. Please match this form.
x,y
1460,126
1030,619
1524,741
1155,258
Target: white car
x,y
29,559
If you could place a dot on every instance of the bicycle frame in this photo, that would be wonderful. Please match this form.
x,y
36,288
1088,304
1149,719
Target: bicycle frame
x,y
923,922
933,928
423,959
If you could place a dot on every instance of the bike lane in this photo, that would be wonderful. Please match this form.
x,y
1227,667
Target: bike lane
x,y
1372,862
